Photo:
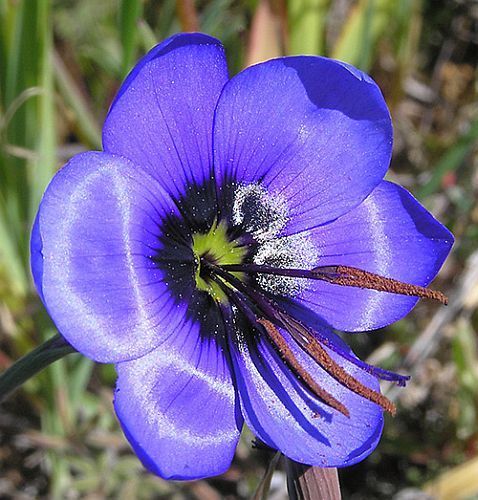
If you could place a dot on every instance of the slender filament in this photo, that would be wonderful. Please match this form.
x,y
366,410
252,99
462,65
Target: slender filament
x,y
289,357
271,318
345,276
284,350
323,359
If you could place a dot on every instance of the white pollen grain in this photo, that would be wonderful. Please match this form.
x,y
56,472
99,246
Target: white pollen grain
x,y
259,212
294,252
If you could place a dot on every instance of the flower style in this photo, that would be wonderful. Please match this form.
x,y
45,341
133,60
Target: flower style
x,y
210,250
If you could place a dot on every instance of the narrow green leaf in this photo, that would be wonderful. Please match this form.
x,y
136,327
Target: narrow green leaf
x,y
146,36
129,13
307,20
88,127
19,133
44,167
11,264
32,363
77,385
451,161
367,22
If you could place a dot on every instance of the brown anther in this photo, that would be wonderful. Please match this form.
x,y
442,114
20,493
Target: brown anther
x,y
352,276
289,357
317,352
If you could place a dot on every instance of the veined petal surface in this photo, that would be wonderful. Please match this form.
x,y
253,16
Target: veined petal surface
x,y
96,233
178,407
314,131
162,116
390,234
285,416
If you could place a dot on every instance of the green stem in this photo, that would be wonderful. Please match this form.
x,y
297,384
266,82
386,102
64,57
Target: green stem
x,y
32,363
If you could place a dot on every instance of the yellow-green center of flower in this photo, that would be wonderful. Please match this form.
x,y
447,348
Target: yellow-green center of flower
x,y
215,248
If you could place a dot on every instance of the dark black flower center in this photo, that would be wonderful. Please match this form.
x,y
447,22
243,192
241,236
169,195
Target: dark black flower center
x,y
225,257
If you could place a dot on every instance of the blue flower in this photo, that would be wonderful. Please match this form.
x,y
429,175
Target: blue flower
x,y
209,251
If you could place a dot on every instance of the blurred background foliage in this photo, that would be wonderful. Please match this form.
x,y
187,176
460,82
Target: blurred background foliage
x,y
61,62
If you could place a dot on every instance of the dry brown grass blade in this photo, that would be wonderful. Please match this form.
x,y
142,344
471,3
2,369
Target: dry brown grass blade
x,y
463,299
265,40
312,483
455,484
187,15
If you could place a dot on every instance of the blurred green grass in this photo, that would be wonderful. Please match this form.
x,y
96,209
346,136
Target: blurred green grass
x,y
60,65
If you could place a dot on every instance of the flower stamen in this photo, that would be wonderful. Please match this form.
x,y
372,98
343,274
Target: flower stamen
x,y
283,349
345,276
306,338
275,318
352,276
293,363
317,352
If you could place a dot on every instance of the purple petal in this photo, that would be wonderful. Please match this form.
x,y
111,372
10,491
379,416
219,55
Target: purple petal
x,y
390,234
36,257
286,417
178,407
95,234
321,331
315,131
162,116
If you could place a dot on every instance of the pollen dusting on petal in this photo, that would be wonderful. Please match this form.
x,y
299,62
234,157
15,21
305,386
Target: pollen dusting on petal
x,y
294,252
259,212
264,215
